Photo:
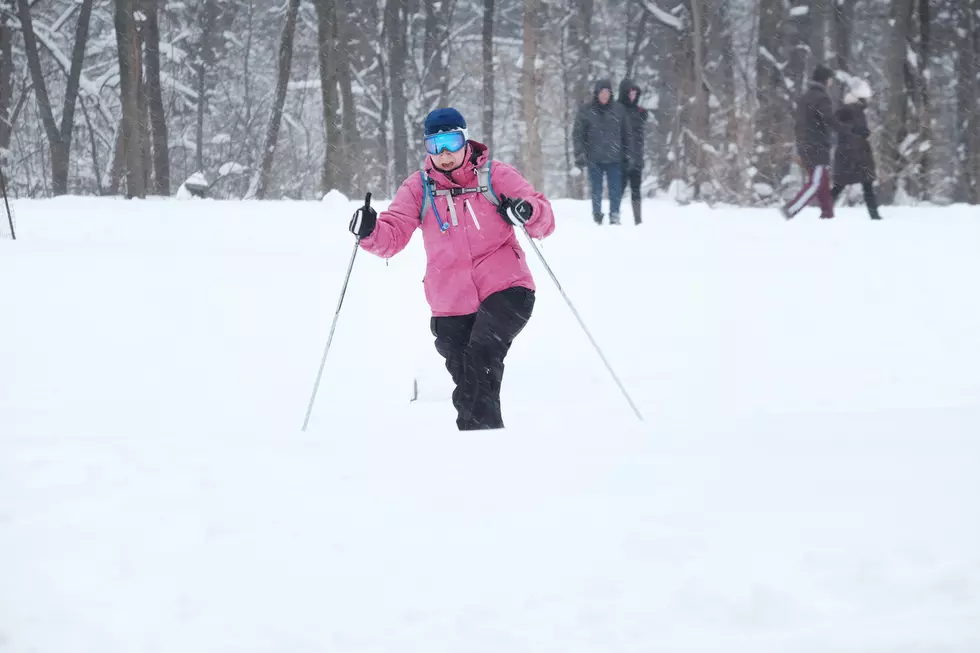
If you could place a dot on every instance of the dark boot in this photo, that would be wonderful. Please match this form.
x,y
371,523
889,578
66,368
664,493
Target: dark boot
x,y
598,218
636,211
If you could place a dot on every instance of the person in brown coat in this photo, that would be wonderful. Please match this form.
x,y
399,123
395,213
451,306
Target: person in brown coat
x,y
853,160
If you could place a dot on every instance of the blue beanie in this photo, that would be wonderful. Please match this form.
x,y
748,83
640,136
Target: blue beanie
x,y
445,119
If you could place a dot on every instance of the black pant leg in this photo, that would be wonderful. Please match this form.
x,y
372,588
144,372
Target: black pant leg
x,y
836,191
871,200
635,179
452,336
501,317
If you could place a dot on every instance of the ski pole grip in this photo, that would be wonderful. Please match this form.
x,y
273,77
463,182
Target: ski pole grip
x,y
367,201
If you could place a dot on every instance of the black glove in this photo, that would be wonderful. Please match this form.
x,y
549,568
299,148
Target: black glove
x,y
515,212
364,220
580,162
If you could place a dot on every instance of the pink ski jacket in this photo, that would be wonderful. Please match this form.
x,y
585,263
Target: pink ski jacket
x,y
477,256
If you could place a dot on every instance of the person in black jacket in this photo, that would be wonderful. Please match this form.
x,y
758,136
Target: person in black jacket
x,y
815,123
636,119
854,161
599,139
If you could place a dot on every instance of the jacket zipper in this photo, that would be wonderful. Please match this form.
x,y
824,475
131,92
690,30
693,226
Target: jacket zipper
x,y
472,214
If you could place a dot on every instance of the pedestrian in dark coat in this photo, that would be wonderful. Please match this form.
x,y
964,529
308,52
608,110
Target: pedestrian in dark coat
x,y
636,119
815,124
599,139
853,159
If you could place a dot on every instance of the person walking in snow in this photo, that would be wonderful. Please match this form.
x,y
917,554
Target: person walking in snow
x,y
599,136
853,159
815,124
477,282
636,119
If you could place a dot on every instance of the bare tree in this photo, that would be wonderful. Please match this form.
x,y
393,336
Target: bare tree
x,y
260,180
774,102
529,86
967,101
59,139
130,74
6,75
488,97
154,100
333,165
896,119
396,27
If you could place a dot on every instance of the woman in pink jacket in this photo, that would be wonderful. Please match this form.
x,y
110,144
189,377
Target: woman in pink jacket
x,y
477,281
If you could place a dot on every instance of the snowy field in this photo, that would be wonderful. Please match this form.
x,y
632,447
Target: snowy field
x,y
806,478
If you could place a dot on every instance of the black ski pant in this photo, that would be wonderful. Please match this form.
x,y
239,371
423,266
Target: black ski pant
x,y
870,199
634,178
474,347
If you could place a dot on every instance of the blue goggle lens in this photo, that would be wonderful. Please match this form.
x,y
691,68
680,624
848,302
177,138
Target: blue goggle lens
x,y
452,141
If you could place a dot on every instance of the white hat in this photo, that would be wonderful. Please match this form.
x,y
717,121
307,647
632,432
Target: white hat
x,y
850,98
860,89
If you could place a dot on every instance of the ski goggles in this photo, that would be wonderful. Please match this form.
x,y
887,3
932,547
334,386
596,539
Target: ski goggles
x,y
452,141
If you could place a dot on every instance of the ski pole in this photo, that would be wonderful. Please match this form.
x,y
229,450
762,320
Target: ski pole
x,y
10,217
582,324
333,327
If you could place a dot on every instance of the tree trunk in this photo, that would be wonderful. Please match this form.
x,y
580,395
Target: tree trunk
x,y
6,72
206,17
327,56
579,65
967,101
435,80
925,109
128,45
396,26
799,26
488,96
154,96
260,181
701,117
350,137
772,123
818,32
733,157
59,140
529,93
896,118
843,14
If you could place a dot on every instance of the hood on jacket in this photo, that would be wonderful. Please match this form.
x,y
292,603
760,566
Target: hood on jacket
x,y
625,87
599,85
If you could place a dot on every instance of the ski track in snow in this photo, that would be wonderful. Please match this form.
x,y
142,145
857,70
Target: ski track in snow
x,y
806,479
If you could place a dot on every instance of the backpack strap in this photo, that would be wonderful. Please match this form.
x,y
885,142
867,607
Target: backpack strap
x,y
425,193
483,176
427,199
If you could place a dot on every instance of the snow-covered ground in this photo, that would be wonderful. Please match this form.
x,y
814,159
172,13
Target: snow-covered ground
x,y
806,478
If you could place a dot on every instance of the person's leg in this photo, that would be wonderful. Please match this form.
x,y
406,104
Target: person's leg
x,y
836,191
635,177
614,171
807,193
871,200
452,336
595,184
824,197
501,317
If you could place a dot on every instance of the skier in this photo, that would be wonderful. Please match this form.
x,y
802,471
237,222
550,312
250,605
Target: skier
x,y
815,123
477,282
853,160
599,136
636,118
